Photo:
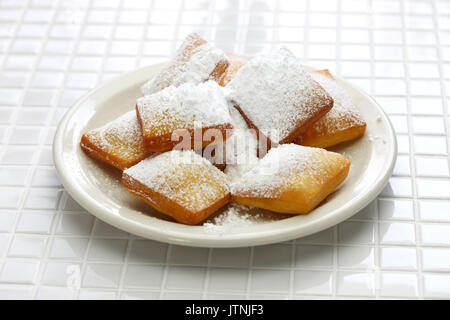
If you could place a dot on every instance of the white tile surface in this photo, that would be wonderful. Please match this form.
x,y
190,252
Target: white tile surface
x,y
356,284
397,247
313,282
143,276
399,285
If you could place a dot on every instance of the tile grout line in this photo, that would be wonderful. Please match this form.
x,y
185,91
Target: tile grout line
x,y
6,55
44,258
76,45
241,35
413,177
445,99
161,55
377,256
359,269
335,270
205,290
306,33
169,248
84,261
351,13
250,274
445,105
21,202
106,55
376,28
376,245
412,155
338,37
275,26
166,271
130,238
385,244
210,250
292,276
124,268
293,257
144,35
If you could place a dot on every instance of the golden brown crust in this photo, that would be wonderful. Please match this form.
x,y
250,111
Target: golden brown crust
x,y
188,51
185,53
301,127
304,192
321,105
94,151
89,144
162,143
324,72
330,131
168,206
236,62
327,139
219,71
325,105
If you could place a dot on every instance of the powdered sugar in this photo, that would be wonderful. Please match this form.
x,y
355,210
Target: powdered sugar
x,y
234,216
276,94
275,172
237,119
192,63
343,114
240,148
185,107
123,133
182,176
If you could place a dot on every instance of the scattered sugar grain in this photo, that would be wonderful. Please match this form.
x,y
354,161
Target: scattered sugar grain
x,y
235,216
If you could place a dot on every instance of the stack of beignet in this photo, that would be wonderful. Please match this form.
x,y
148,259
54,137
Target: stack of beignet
x,y
212,128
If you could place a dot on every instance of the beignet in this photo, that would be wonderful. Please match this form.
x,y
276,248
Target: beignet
x,y
118,143
181,184
195,61
278,97
291,179
188,112
236,62
342,123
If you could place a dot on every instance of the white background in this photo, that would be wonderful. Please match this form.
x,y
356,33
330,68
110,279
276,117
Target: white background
x,y
52,52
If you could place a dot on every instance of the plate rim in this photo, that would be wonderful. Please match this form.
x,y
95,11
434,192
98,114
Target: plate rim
x,y
203,239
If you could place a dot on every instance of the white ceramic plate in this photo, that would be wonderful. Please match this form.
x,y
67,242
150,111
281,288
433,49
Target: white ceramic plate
x,y
97,187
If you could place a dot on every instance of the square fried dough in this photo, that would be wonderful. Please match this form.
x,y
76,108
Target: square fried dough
x,y
291,179
236,62
186,117
118,143
342,123
277,97
195,61
181,184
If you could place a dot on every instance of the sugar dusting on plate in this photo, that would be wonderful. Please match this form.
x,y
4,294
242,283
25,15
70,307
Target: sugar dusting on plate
x,y
233,216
